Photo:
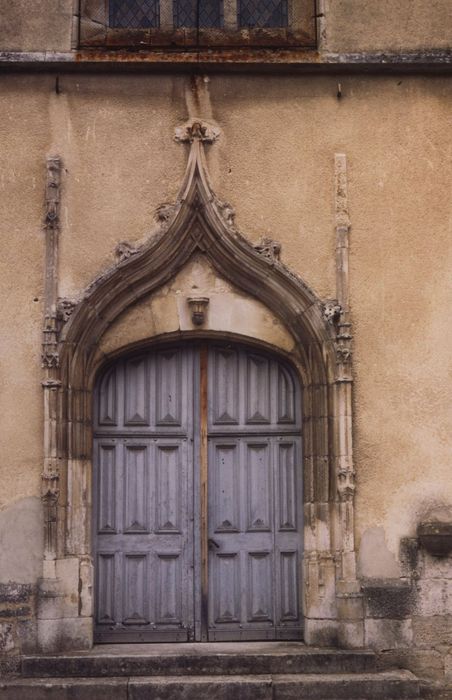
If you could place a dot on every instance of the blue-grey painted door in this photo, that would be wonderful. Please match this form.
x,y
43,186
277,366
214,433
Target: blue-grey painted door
x,y
148,509
255,500
143,499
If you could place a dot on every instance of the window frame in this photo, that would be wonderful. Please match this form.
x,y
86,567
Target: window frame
x,y
95,32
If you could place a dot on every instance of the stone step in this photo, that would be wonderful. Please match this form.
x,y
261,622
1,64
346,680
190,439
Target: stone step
x,y
395,685
198,660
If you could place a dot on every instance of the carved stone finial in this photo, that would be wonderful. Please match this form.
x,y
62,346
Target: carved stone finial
x,y
269,248
52,190
165,212
65,309
226,210
343,354
50,359
124,250
331,311
198,306
196,130
346,481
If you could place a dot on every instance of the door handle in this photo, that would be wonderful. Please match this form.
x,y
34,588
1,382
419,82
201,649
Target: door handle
x,y
212,543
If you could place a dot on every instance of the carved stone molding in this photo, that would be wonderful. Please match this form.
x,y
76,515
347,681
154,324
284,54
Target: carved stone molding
x,y
196,130
165,212
51,383
269,248
65,309
124,250
50,358
52,190
343,354
227,211
198,222
332,311
346,482
50,354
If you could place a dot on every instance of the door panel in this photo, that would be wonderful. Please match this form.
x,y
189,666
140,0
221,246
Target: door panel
x,y
148,512
255,498
143,495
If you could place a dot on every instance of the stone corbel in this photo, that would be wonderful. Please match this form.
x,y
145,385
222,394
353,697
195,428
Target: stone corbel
x,y
196,130
198,307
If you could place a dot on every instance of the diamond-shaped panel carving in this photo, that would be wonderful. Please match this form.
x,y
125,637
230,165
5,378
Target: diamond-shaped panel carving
x,y
210,13
134,14
263,13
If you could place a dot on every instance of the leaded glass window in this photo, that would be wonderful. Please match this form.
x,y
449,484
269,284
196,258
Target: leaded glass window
x,y
262,13
192,25
133,14
206,14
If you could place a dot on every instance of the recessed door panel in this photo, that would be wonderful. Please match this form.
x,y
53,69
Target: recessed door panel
x,y
136,409
136,488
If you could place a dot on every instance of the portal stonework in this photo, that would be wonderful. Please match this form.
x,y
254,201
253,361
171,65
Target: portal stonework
x,y
251,294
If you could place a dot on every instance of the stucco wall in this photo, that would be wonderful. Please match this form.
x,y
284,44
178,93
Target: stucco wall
x,y
41,25
362,25
274,163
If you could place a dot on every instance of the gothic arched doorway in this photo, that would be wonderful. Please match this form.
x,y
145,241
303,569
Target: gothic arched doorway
x,y
197,496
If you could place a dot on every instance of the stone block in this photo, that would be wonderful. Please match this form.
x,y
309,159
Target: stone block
x,y
205,688
49,600
321,632
435,691
351,635
433,596
432,631
7,643
375,560
64,689
65,634
388,634
424,663
86,589
253,658
68,573
436,567
382,686
16,593
27,636
392,598
350,606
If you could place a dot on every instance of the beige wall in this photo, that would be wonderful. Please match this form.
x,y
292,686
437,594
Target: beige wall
x,y
386,25
274,163
350,25
39,25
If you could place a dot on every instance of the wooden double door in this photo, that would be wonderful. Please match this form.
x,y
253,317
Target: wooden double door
x,y
197,497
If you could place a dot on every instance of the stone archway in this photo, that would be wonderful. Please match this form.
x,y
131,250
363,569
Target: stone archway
x,y
200,226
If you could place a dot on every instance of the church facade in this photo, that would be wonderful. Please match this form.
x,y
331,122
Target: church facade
x,y
225,361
